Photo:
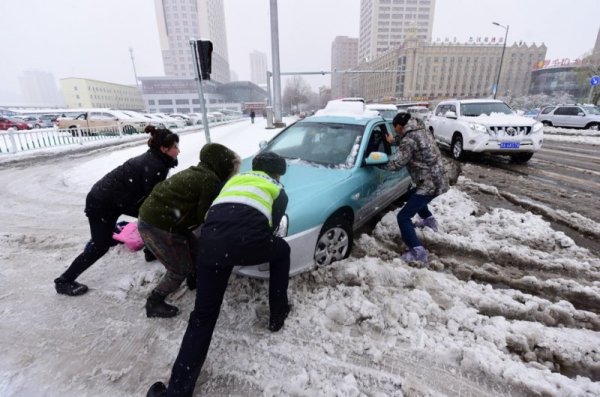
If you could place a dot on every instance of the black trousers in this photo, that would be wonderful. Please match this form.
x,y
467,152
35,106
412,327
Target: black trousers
x,y
215,262
101,228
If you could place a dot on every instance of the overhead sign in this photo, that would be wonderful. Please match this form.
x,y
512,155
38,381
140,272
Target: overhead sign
x,y
595,80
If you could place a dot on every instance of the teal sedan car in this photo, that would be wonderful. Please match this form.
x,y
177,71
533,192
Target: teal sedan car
x,y
335,182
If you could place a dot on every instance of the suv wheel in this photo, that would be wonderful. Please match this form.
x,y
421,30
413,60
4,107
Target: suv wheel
x,y
457,148
593,126
521,158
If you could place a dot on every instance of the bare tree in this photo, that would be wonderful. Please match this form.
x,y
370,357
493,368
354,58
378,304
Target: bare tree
x,y
296,92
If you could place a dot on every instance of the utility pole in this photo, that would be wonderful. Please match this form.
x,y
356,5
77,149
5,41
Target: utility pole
x,y
134,72
275,56
195,52
501,57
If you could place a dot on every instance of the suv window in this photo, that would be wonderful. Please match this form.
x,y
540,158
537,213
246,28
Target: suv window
x,y
477,109
547,110
567,111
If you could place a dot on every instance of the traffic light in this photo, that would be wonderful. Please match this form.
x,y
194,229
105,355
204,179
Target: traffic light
x,y
204,50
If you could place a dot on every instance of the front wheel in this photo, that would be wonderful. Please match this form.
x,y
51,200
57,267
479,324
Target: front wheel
x,y
458,152
335,241
521,158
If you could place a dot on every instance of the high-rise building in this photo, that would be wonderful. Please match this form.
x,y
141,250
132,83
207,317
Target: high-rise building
x,y
385,24
344,52
182,20
40,89
258,67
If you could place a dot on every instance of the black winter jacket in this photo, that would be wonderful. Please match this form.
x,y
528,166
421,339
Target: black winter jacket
x,y
123,190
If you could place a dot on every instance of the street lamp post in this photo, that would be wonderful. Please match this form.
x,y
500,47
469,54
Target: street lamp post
x,y
501,57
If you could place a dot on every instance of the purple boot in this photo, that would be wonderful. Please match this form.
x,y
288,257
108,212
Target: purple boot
x,y
429,222
416,254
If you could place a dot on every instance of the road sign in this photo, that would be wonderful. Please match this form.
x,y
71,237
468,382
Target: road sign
x,y
595,80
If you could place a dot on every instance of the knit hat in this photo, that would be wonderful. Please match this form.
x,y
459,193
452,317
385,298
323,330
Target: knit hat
x,y
401,118
269,162
218,158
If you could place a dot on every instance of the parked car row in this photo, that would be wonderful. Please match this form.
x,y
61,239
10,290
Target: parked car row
x,y
28,122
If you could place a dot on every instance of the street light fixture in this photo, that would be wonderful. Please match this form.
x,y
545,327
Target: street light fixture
x,y
501,57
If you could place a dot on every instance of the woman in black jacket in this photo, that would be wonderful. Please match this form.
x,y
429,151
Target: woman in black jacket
x,y
120,192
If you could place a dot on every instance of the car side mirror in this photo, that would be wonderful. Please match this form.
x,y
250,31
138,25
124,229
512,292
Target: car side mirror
x,y
450,114
376,158
262,144
581,114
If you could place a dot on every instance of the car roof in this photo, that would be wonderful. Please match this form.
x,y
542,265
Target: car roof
x,y
482,100
381,106
341,119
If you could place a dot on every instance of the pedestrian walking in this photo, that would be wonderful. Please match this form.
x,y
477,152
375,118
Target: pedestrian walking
x,y
419,152
252,116
238,231
173,210
120,192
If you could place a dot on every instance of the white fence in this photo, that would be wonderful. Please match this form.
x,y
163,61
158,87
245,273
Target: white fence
x,y
14,141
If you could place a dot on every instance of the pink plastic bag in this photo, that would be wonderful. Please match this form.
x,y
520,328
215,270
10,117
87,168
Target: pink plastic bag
x,y
130,236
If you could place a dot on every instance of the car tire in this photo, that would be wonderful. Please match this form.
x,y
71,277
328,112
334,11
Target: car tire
x,y
334,242
37,126
73,131
129,130
593,126
456,148
521,158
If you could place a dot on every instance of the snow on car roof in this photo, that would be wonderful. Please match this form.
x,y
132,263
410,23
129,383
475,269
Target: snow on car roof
x,y
338,107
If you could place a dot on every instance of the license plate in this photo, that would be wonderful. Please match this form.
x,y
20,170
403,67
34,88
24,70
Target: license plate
x,y
509,145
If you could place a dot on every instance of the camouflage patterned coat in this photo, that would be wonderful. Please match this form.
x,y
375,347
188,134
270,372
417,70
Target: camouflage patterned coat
x,y
419,152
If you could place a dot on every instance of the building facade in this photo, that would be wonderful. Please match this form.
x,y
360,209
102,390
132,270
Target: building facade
x,y
258,67
344,54
178,22
451,70
179,95
88,93
385,24
561,79
40,89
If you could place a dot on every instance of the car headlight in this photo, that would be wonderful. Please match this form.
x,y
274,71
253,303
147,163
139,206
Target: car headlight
x,y
282,229
478,127
537,127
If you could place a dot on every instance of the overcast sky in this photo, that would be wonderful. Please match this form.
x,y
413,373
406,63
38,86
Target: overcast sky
x,y
91,38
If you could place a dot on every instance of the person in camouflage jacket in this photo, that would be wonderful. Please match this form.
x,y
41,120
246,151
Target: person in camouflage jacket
x,y
417,151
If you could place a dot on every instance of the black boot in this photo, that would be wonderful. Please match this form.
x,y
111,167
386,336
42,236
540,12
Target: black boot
x,y
148,255
190,280
276,321
156,307
157,390
71,288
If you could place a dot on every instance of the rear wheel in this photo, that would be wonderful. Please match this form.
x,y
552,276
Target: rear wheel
x,y
335,241
593,126
521,158
547,123
458,152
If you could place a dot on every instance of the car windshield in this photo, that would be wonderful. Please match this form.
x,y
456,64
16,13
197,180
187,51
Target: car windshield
x,y
592,110
329,144
477,109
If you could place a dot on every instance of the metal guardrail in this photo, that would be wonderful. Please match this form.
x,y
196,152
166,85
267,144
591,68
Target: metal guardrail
x,y
13,141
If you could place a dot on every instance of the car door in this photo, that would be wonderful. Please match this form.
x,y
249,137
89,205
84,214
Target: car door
x,y
563,116
380,186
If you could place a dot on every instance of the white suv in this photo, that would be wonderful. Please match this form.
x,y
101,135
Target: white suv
x,y
572,116
485,126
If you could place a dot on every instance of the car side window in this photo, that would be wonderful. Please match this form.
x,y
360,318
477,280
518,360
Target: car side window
x,y
377,141
561,111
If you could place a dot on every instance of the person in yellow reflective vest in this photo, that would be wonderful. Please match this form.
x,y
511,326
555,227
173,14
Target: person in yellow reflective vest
x,y
238,231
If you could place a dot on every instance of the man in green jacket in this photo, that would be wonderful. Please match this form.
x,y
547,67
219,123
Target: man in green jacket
x,y
175,207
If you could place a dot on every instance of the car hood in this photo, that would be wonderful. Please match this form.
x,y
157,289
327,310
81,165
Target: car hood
x,y
501,120
303,181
